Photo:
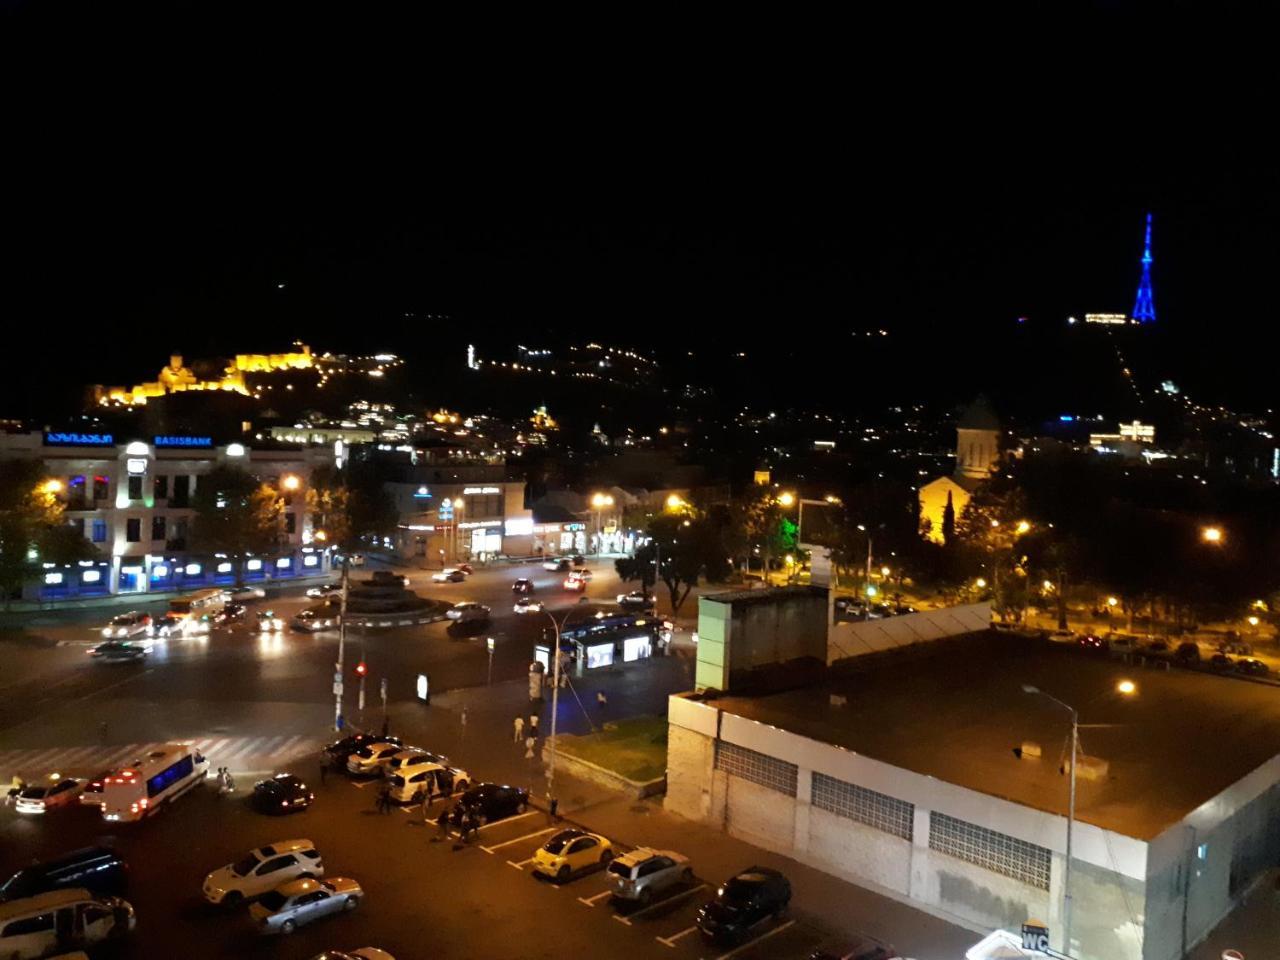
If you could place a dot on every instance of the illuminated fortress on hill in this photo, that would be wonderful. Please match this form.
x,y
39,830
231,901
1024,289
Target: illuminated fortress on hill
x,y
177,378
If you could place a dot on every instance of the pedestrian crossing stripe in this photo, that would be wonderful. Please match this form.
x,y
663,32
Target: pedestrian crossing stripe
x,y
238,753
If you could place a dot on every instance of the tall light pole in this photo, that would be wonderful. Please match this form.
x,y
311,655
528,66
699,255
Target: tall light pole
x,y
1127,688
342,641
555,704
600,501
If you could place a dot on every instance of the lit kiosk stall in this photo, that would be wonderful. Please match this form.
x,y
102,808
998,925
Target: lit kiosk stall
x,y
606,639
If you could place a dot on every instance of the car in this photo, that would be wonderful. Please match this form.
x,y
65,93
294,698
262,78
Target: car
x,y
584,574
198,626
880,611
411,781
1091,642
241,594
1122,643
1221,662
466,568
99,870
860,948
268,622
636,600
283,793
1235,646
902,609
338,751
413,755
262,870
468,612
1156,646
168,625
384,577
131,624
1251,667
744,901
555,564
569,851
42,797
1063,636
297,903
355,559
28,927
527,605
522,586
643,873
119,651
573,583
449,575
360,953
579,560
1187,652
489,802
324,590
312,620
229,614
371,758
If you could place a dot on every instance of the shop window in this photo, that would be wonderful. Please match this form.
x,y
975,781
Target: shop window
x,y
157,528
162,488
133,530
135,488
99,531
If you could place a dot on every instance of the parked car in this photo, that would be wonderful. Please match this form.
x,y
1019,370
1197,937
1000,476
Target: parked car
x,y
28,929
1221,663
644,873
242,594
54,793
902,609
262,870
1251,667
1187,652
339,750
1235,646
229,614
1092,642
312,620
131,624
636,600
1122,643
324,590
527,605
489,802
555,564
449,575
97,869
169,626
569,851
860,948
119,651
373,757
468,612
268,622
297,903
743,902
1156,646
283,793
413,755
412,781
522,586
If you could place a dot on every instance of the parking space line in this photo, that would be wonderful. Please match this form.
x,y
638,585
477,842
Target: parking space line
x,y
591,901
737,950
520,865
671,940
527,836
518,816
661,903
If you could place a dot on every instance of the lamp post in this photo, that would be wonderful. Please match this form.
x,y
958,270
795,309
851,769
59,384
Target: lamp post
x,y
600,501
555,704
1127,688
342,642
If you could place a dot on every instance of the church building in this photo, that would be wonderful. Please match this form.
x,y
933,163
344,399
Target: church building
x,y
977,456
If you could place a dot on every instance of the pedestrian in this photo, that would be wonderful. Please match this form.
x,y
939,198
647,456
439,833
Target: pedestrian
x,y
463,719
442,825
472,826
426,806
533,725
529,744
601,700
519,726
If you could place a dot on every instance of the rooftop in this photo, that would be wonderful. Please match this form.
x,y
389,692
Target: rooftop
x,y
957,711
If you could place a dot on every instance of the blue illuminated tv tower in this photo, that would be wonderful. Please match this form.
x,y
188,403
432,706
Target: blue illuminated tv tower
x,y
1144,308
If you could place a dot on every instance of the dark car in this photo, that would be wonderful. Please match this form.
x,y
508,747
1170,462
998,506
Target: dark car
x,y
860,948
230,613
1251,667
1092,642
97,869
1221,662
382,578
1187,652
1157,646
489,802
118,651
522,587
283,793
743,902
579,561
338,751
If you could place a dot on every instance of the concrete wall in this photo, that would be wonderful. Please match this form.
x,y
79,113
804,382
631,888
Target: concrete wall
x,y
741,634
846,640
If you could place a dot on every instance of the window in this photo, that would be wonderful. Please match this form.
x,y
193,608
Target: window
x,y
181,491
28,925
279,863
997,852
135,488
291,523
756,767
157,528
170,775
866,806
133,530
162,488
101,488
78,525
99,531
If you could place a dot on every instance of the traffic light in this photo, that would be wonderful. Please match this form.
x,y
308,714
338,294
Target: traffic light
x,y
361,669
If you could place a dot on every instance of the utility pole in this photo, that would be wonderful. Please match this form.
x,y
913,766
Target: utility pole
x,y
342,639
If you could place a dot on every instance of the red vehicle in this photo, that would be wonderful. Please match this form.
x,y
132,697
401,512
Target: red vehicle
x,y
1091,641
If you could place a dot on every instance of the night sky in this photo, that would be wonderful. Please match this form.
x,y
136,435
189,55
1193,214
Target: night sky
x,y
122,265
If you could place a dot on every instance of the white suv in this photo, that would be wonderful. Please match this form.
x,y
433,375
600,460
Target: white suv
x,y
262,870
411,782
372,758
131,624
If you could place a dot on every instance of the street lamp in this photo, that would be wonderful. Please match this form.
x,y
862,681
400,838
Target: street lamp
x,y
290,482
555,701
600,501
1023,527
1127,688
52,487
786,499
1211,535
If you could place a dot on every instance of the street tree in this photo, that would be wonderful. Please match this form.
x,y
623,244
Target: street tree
x,y
32,530
236,514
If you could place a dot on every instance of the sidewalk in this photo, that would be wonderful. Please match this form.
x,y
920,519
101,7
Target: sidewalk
x,y
1253,928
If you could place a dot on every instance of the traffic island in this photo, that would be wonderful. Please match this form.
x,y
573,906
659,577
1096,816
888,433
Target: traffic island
x,y
629,756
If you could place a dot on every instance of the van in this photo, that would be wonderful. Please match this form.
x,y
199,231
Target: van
x,y
55,922
97,869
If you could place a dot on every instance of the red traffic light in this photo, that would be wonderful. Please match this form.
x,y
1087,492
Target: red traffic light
x,y
361,669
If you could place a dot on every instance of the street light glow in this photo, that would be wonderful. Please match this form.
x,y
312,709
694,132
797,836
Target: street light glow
x,y
1127,687
1211,534
601,500
980,583
786,499
53,486
674,502
1112,601
1023,526
290,482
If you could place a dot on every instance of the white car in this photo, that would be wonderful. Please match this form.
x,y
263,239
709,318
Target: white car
x,y
527,605
324,590
43,797
131,624
268,622
169,625
261,871
361,953
449,575
468,612
409,756
241,594
411,781
556,563
294,904
372,757
309,621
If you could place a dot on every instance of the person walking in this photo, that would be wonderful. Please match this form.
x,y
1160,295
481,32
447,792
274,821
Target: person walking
x,y
384,798
533,725
529,744
519,728
601,700
442,825
472,826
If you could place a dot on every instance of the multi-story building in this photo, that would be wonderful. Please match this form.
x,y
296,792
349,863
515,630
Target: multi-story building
x,y
132,500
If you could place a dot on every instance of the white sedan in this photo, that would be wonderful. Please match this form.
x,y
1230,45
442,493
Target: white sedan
x,y
449,575
131,624
241,594
58,792
528,605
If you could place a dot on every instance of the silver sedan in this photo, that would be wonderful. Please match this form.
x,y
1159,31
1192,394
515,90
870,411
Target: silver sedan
x,y
298,902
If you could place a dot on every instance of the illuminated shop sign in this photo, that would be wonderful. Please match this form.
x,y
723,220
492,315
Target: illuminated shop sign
x,y
183,441
479,523
473,491
422,493
79,440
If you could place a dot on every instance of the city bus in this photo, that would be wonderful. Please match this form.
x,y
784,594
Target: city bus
x,y
195,603
160,777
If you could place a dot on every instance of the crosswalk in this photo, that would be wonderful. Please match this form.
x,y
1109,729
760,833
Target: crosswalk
x,y
239,753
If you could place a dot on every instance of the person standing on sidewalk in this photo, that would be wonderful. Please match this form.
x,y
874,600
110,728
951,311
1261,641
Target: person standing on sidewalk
x,y
519,728
533,725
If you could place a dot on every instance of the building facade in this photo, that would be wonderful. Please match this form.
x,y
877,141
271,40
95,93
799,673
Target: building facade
x,y
457,520
977,457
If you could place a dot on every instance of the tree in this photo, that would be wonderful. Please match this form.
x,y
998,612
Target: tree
x,y
235,515
948,522
371,511
329,507
31,525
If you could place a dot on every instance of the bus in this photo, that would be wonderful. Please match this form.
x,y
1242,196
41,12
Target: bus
x,y
195,603
144,787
